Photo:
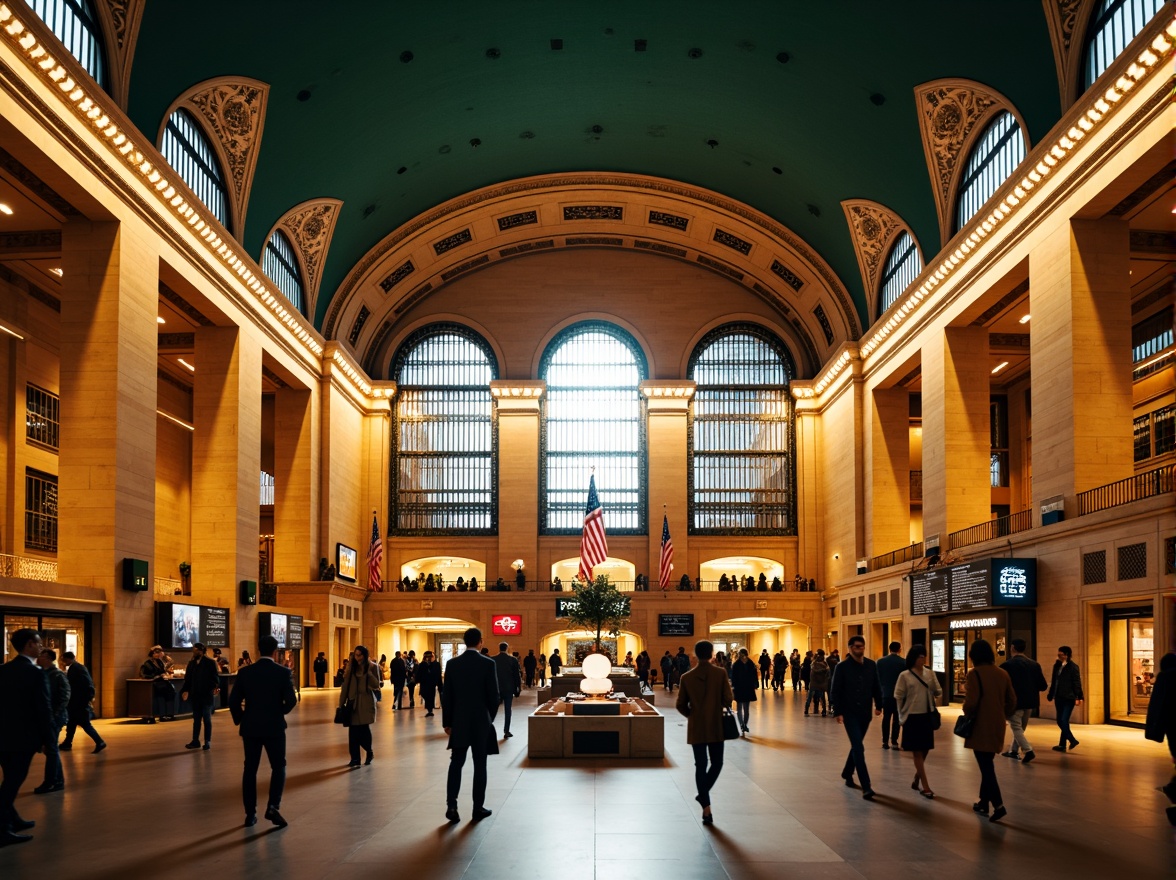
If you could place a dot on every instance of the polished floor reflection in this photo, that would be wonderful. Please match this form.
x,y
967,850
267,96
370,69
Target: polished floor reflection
x,y
146,807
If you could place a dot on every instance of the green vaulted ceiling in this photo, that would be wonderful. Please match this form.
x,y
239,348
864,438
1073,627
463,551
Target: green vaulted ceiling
x,y
349,108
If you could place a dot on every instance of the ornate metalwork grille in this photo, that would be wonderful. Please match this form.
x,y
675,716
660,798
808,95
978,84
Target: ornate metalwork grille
x,y
42,416
444,478
1094,567
593,418
742,478
188,151
76,25
40,511
1132,562
903,266
281,266
1115,24
997,153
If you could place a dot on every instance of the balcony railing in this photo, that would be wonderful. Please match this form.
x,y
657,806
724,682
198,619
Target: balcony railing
x,y
1147,485
696,585
28,568
994,528
899,556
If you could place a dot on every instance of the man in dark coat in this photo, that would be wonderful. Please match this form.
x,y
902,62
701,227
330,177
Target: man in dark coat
x,y
765,668
26,727
1065,692
201,685
1028,683
59,703
81,693
510,682
855,687
890,668
681,664
469,703
398,672
320,670
262,697
530,662
1161,720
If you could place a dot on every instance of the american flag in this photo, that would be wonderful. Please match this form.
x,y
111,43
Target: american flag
x,y
375,557
593,545
667,554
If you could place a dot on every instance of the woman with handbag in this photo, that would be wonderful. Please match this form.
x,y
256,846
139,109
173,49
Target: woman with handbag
x,y
744,681
358,702
915,694
989,699
704,695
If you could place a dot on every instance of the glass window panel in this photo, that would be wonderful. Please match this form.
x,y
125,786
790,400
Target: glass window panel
x,y
42,416
76,25
189,152
1112,26
995,156
281,266
1164,425
903,266
1142,432
40,511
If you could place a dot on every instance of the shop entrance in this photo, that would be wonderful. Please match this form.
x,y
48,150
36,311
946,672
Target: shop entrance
x,y
951,637
1129,668
992,632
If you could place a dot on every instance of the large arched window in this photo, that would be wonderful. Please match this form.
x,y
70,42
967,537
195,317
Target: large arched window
x,y
743,477
1112,26
444,474
903,266
188,151
997,153
593,421
281,266
76,25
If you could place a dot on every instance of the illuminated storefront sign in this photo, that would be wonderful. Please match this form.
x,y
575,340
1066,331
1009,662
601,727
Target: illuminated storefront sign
x,y
972,623
506,624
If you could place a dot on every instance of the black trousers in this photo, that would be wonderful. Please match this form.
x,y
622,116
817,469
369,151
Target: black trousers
x,y
275,750
359,736
506,701
989,787
704,776
397,691
80,718
16,770
890,720
457,759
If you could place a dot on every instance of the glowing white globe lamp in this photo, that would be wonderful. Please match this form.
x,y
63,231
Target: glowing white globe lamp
x,y
596,669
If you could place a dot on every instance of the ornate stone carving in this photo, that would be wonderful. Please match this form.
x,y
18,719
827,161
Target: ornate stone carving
x,y
1066,19
732,241
119,20
233,111
787,275
873,229
309,226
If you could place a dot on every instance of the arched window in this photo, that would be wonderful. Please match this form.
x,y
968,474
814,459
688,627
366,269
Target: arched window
x,y
593,419
903,266
281,266
996,154
76,25
188,151
1112,26
444,474
743,477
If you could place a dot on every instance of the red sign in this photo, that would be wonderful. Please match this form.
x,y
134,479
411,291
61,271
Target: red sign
x,y
506,624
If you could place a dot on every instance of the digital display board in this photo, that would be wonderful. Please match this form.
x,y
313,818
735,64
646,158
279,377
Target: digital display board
x,y
180,625
986,583
675,624
346,560
286,628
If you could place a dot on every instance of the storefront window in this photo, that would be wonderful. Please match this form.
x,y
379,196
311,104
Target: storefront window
x,y
58,633
1130,670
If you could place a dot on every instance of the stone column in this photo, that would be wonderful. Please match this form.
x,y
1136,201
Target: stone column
x,y
957,490
888,480
226,466
668,405
106,488
517,403
1080,344
808,485
296,467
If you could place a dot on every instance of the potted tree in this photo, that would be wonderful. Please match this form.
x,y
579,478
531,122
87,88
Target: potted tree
x,y
599,607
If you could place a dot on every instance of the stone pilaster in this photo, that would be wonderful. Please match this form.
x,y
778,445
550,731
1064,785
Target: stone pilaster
x,y
517,405
668,405
888,479
296,485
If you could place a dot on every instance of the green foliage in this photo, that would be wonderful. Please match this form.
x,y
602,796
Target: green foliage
x,y
599,607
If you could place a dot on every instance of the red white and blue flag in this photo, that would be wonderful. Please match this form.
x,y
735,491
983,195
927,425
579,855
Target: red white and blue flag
x,y
593,544
375,557
667,554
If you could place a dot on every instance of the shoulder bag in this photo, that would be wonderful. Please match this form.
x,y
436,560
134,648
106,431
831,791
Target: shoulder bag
x,y
966,723
936,721
730,723
343,715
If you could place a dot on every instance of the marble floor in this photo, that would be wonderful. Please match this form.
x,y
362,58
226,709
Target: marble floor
x,y
146,807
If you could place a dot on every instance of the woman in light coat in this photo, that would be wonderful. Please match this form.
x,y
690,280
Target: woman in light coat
x,y
360,682
916,694
990,698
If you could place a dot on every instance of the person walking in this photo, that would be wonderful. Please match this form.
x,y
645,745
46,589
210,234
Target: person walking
x,y
81,693
428,675
320,670
542,670
794,668
555,662
360,683
667,670
806,670
1161,721
510,683
1028,683
59,704
765,668
410,665
988,698
818,692
530,664
469,703
201,686
398,673
703,693
643,665
890,668
744,682
916,694
26,727
780,668
1065,692
262,696
855,687
681,664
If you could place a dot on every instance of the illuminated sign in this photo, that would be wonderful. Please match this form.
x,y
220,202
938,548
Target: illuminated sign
x,y
972,623
506,624
975,586
563,607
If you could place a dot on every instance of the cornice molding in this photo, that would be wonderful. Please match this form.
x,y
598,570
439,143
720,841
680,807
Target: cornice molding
x,y
873,228
309,226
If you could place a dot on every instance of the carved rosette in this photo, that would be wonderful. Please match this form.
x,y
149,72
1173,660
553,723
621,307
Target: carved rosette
x,y
120,21
309,226
1067,18
873,228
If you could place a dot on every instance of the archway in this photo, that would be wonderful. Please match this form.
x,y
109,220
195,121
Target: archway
x,y
441,635
569,641
621,573
736,567
448,568
758,633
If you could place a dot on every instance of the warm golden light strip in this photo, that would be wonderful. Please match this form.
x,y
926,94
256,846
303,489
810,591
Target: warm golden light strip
x,y
352,373
178,421
89,110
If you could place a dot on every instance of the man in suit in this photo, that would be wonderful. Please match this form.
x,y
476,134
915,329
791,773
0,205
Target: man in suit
x,y
854,692
1028,683
201,685
510,682
703,693
398,672
889,668
26,727
262,697
469,703
81,693
59,703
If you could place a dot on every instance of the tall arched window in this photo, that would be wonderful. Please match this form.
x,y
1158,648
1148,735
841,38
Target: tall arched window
x,y
281,266
743,476
1112,26
188,151
76,25
996,154
903,266
593,419
444,475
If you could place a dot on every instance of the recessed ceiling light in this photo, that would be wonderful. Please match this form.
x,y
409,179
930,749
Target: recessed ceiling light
x,y
694,53
1024,319
4,209
640,45
160,320
556,45
405,57
712,143
57,270
877,99
783,57
475,142
493,54
999,367
303,95
186,364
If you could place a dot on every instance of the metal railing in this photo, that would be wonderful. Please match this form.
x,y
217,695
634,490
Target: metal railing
x,y
897,557
169,587
994,528
1146,485
28,568
511,586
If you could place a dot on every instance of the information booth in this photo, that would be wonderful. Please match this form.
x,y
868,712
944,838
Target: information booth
x,y
178,626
